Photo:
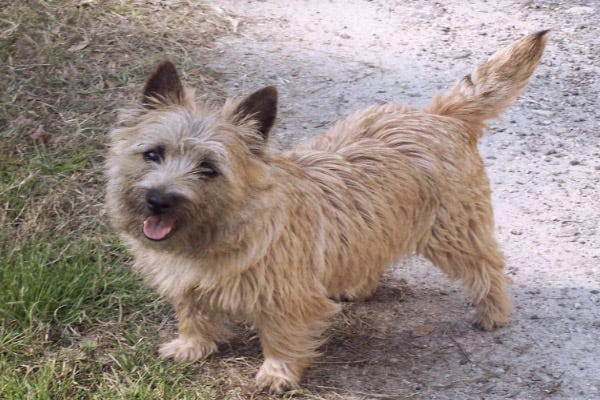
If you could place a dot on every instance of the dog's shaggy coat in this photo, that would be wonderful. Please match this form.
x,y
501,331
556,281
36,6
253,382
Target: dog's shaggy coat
x,y
227,229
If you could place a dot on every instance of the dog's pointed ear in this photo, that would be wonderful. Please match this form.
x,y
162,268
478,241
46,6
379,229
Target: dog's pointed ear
x,y
163,87
260,106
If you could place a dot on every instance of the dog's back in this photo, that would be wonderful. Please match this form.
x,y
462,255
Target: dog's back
x,y
396,180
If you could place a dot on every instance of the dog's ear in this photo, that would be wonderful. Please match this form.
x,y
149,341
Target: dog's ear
x,y
260,106
163,87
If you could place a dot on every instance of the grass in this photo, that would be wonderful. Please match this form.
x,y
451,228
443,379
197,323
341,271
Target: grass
x,y
74,322
57,296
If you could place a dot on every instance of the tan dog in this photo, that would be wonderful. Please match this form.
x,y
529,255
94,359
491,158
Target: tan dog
x,y
227,229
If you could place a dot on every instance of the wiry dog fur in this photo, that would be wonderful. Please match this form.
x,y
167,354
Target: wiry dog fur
x,y
227,229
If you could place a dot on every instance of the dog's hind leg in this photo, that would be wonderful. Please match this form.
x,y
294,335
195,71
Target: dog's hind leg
x,y
463,245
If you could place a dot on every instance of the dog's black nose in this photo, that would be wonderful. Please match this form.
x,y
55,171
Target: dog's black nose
x,y
160,202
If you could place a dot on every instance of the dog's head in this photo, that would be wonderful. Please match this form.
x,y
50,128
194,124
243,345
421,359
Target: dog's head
x,y
180,172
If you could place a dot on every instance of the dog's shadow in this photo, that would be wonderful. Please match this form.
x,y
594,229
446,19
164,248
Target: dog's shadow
x,y
370,343
356,320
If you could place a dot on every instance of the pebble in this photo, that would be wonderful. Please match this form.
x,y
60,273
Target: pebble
x,y
544,113
462,54
569,232
580,10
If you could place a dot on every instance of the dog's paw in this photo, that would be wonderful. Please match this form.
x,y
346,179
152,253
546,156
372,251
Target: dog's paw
x,y
276,376
493,314
187,349
487,322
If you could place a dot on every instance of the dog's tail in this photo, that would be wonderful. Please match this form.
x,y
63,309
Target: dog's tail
x,y
494,85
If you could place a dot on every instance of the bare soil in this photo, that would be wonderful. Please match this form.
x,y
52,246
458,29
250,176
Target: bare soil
x,y
414,338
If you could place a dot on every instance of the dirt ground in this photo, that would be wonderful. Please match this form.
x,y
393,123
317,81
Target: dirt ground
x,y
414,339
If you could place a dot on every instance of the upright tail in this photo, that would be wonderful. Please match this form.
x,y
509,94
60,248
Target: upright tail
x,y
494,85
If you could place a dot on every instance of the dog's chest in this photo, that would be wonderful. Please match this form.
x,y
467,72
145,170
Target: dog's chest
x,y
236,295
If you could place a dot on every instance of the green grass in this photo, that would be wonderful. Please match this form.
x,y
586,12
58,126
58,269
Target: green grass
x,y
60,283
95,371
76,324
116,373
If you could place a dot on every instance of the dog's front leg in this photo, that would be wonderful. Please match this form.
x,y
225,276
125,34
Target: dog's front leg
x,y
199,333
290,338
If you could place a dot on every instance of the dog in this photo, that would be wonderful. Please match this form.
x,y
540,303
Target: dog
x,y
228,229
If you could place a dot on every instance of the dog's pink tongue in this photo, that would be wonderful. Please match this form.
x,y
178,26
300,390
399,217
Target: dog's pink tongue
x,y
157,228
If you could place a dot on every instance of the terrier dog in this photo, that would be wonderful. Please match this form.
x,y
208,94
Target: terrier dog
x,y
228,229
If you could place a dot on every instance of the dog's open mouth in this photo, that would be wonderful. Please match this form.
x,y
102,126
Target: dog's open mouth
x,y
157,228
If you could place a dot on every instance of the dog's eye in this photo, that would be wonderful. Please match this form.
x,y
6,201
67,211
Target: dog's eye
x,y
154,155
207,169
